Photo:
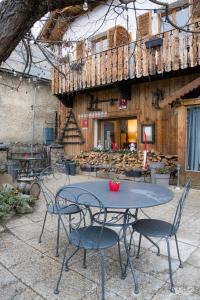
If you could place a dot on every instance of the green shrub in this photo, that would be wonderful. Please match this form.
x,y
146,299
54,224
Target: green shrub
x,y
12,199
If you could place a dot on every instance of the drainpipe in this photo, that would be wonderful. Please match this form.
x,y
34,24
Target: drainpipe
x,y
33,116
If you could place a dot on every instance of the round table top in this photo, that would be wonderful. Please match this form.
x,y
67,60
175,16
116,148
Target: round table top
x,y
130,195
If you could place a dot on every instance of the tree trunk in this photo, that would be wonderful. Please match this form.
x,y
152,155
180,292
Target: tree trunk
x,y
18,16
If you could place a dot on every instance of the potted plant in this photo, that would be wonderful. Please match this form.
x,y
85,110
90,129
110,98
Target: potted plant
x,y
162,176
153,166
114,185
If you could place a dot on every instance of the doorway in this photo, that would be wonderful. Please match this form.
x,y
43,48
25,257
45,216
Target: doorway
x,y
117,133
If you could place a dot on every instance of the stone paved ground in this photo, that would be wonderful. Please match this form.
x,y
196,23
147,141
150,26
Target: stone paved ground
x,y
29,270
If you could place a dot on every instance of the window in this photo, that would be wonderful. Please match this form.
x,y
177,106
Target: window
x,y
99,45
193,139
148,133
117,134
144,23
177,16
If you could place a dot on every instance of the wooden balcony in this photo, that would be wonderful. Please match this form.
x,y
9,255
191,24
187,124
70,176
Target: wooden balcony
x,y
178,50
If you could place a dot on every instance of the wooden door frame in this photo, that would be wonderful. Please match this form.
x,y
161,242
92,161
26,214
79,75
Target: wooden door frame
x,y
182,137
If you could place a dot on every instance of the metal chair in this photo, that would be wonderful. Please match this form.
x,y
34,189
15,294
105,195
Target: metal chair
x,y
48,175
85,235
158,228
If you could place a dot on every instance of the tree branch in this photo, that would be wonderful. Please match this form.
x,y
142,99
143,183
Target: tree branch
x,y
18,17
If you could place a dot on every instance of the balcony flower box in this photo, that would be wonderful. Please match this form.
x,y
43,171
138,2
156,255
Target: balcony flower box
x,y
154,43
162,176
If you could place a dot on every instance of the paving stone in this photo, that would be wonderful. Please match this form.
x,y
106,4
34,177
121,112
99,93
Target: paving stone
x,y
92,271
155,265
194,258
42,274
18,221
186,283
27,232
148,286
13,252
189,233
109,295
185,249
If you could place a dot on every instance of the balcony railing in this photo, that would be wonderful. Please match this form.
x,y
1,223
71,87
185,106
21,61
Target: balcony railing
x,y
177,50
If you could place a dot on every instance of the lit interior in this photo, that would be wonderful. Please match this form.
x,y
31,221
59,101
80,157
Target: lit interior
x,y
132,131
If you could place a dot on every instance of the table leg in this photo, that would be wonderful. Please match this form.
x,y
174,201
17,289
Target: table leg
x,y
128,248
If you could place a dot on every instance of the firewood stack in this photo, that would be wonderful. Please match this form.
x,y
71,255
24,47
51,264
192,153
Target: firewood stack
x,y
119,162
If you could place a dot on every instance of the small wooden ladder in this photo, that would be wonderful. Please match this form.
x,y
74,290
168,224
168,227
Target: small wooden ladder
x,y
71,133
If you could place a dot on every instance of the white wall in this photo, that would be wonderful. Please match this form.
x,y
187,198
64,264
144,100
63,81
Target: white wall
x,y
16,110
94,22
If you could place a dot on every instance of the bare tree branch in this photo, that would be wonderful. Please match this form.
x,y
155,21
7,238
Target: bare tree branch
x,y
18,16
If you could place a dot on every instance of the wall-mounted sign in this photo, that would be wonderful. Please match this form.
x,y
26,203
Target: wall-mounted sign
x,y
93,115
85,124
122,103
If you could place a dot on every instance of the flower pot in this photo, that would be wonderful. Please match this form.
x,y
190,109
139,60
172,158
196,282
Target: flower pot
x,y
114,186
133,173
153,167
154,43
162,179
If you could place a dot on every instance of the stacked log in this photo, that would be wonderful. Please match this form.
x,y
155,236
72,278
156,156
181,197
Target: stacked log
x,y
120,162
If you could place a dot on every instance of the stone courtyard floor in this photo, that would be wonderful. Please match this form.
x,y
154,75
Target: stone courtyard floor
x,y
29,270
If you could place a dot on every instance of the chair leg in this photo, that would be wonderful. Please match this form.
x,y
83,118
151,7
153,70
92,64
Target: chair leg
x,y
120,258
56,290
129,250
40,237
84,259
70,220
58,237
170,267
151,241
69,257
101,275
181,264
138,252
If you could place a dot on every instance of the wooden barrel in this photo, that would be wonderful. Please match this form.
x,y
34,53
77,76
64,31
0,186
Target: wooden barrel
x,y
29,188
35,190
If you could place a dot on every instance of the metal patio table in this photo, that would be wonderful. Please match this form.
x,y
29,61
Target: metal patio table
x,y
132,195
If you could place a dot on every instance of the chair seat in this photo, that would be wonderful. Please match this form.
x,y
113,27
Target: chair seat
x,y
92,238
64,209
153,227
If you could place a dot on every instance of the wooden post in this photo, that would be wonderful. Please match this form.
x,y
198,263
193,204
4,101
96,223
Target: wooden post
x,y
182,140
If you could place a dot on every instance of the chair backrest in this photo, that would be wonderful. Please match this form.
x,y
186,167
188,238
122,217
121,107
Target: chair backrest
x,y
83,200
179,209
50,179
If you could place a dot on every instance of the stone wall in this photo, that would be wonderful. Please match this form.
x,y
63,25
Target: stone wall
x,y
56,153
16,114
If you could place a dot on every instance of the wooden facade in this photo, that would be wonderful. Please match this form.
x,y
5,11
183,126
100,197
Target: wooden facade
x,y
139,106
178,50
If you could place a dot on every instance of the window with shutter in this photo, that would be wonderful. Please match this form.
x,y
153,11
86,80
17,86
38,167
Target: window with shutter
x,y
144,24
110,37
121,36
118,36
196,9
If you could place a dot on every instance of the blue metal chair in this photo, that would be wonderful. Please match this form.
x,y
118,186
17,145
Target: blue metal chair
x,y
85,235
45,178
158,228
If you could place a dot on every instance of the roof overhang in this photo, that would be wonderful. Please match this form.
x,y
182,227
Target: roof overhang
x,y
182,92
